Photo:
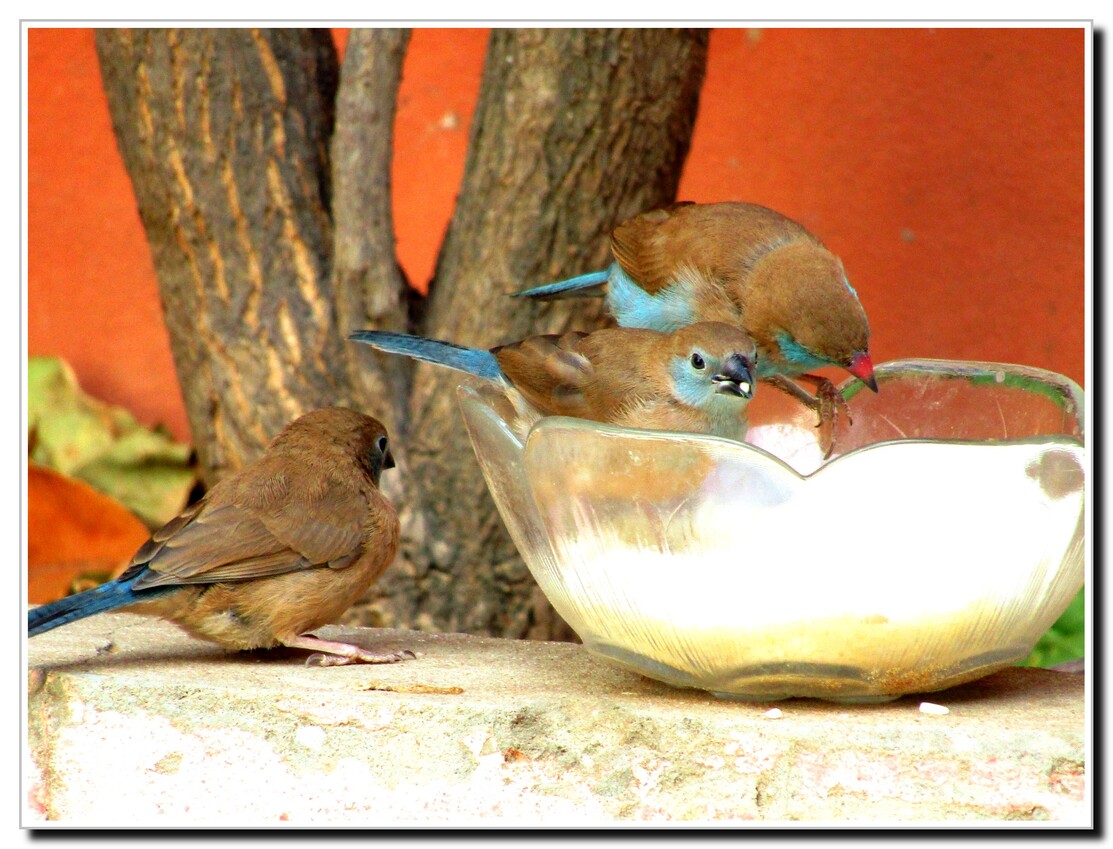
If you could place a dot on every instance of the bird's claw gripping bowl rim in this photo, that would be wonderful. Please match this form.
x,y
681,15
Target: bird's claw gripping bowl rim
x,y
936,545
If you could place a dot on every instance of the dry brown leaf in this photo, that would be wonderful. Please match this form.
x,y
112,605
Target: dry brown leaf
x,y
75,535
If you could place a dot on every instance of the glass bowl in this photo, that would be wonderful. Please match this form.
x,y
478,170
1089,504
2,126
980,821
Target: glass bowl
x,y
939,541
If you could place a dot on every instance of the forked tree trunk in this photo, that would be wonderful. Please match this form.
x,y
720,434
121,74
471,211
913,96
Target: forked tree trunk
x,y
227,137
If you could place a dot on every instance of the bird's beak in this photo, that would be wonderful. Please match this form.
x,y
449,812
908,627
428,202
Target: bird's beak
x,y
861,366
388,460
736,378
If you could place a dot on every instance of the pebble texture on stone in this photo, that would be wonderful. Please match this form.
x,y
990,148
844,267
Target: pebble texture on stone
x,y
132,723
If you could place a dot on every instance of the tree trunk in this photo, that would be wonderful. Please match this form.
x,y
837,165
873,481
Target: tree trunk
x,y
226,133
371,290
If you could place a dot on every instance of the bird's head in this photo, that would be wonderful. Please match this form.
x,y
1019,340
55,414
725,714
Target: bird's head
x,y
805,315
711,363
337,434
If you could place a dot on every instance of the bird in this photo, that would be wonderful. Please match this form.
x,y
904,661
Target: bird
x,y
271,552
743,264
698,379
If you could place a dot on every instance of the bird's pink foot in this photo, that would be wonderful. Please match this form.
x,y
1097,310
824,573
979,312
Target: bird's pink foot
x,y
830,406
827,402
334,653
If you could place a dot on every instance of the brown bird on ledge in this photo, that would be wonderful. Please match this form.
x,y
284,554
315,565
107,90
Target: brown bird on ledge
x,y
278,549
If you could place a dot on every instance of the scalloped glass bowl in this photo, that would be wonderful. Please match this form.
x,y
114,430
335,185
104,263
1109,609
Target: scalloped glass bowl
x,y
940,540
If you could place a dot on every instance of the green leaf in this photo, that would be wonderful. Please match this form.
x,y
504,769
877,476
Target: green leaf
x,y
145,469
1065,640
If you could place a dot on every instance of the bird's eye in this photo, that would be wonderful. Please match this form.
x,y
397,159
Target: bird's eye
x,y
380,443
697,361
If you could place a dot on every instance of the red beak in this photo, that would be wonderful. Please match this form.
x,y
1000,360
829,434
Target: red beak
x,y
861,366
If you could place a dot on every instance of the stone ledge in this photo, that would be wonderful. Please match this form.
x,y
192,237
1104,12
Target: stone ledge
x,y
132,723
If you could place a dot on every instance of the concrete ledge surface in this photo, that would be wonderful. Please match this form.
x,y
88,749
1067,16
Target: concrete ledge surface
x,y
132,723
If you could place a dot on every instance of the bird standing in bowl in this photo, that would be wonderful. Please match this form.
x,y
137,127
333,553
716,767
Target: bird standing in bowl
x,y
746,265
698,379
275,550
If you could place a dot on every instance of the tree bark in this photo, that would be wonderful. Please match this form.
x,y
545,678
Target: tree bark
x,y
371,290
224,133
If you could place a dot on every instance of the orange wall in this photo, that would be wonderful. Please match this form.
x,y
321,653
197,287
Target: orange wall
x,y
945,166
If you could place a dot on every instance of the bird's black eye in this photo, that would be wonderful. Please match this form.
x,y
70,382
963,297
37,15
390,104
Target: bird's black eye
x,y
381,458
697,361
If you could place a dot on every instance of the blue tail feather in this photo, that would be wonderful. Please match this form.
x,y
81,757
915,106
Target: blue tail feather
x,y
583,286
110,596
471,360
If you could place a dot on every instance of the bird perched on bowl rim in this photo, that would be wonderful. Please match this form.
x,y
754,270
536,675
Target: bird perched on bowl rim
x,y
275,550
698,379
742,264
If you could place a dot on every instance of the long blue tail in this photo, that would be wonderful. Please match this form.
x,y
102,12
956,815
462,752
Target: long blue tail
x,y
110,596
584,286
471,360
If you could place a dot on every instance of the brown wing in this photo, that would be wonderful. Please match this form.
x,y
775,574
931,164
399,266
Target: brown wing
x,y
261,526
550,371
598,376
718,239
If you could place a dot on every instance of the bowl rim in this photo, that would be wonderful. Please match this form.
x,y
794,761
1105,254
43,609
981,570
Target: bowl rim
x,y
1057,387
565,423
977,371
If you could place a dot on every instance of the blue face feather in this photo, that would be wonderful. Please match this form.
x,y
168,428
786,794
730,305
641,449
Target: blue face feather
x,y
695,379
694,387
795,355
691,387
